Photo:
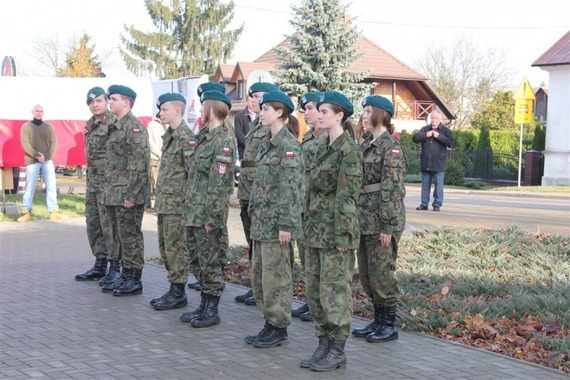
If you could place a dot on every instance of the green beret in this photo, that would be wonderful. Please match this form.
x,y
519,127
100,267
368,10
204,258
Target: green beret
x,y
93,93
216,95
210,86
338,98
380,102
309,97
170,97
261,87
122,90
279,97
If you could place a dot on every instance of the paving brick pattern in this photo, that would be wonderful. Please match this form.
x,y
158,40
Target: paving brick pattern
x,y
53,327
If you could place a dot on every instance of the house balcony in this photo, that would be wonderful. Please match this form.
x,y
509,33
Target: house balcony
x,y
414,109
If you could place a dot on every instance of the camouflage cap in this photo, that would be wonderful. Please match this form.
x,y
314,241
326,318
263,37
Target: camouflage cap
x,y
169,97
122,90
216,95
95,92
338,98
309,97
279,97
210,86
380,102
261,87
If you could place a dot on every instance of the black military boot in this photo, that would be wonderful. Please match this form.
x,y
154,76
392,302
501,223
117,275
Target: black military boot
x,y
210,316
322,349
132,284
175,300
333,359
275,336
306,316
97,272
189,316
195,285
251,338
158,299
250,301
121,278
113,273
387,330
243,297
296,313
372,326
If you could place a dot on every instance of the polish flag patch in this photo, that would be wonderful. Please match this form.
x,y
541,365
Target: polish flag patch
x,y
289,154
395,152
136,130
226,150
192,143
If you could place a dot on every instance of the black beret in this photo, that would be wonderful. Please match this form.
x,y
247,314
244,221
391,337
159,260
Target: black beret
x,y
93,93
279,97
216,95
380,102
170,97
338,98
309,97
210,86
261,87
122,90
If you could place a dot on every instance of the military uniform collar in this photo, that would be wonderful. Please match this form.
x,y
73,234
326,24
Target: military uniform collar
x,y
280,136
377,141
211,133
339,141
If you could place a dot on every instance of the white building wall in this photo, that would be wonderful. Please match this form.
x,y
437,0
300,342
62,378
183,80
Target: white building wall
x,y
557,150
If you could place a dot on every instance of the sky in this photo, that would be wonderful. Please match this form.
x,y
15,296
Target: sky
x,y
522,29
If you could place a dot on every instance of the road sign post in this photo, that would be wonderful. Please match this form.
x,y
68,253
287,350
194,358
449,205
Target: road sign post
x,y
524,101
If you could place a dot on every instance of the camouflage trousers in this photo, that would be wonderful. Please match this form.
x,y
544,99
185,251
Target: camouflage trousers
x,y
223,254
376,266
99,231
246,221
329,275
127,232
153,175
271,281
173,248
204,251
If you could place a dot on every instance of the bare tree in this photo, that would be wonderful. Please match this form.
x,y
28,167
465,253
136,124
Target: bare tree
x,y
464,76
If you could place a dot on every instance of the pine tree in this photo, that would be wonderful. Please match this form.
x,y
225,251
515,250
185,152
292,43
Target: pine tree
x,y
80,61
192,38
321,50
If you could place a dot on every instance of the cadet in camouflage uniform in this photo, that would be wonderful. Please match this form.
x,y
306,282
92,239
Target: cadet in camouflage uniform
x,y
332,232
99,232
253,141
127,188
171,182
224,238
309,146
382,218
275,207
210,183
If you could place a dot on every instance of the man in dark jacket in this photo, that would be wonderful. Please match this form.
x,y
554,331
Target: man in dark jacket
x,y
241,124
435,139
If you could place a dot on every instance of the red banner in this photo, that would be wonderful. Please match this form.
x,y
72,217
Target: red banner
x,y
70,144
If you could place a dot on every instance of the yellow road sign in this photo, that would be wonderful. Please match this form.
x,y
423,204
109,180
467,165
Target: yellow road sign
x,y
524,92
523,111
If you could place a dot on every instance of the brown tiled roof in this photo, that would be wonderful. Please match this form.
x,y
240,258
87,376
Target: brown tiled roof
x,y
382,65
226,71
558,54
246,68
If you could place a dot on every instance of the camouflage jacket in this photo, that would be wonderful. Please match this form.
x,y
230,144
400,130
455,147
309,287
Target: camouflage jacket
x,y
381,204
127,164
276,198
312,140
95,150
173,170
211,161
334,188
254,139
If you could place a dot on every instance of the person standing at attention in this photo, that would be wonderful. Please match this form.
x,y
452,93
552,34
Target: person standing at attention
x,y
156,130
127,188
171,183
382,217
99,231
39,142
332,232
275,207
434,139
210,183
253,141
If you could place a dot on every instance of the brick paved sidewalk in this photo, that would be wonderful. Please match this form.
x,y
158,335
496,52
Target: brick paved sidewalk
x,y
53,327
